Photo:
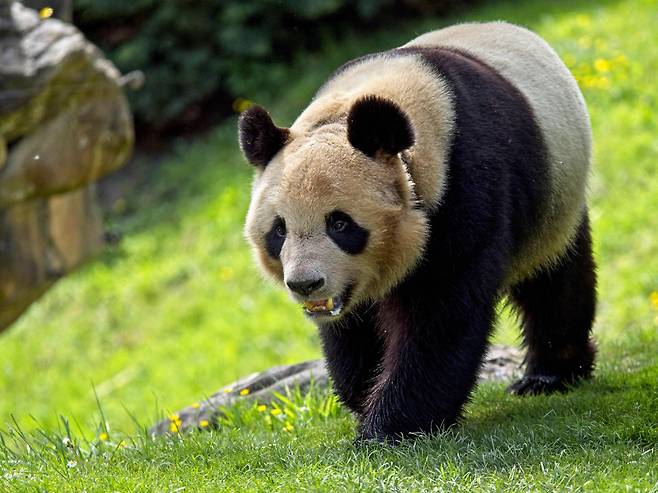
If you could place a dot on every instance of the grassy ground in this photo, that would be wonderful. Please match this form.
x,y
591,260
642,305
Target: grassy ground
x,y
178,309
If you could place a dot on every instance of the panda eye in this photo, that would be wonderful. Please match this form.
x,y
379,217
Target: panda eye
x,y
339,226
338,222
346,233
280,229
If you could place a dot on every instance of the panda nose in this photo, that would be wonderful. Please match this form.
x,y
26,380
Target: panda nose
x,y
305,287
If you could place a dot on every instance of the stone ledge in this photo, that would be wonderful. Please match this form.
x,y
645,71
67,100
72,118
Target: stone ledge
x,y
501,364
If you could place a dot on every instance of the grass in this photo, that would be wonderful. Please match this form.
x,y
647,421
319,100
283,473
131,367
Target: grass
x,y
178,309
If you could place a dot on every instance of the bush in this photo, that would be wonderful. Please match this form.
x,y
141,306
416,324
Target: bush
x,y
200,55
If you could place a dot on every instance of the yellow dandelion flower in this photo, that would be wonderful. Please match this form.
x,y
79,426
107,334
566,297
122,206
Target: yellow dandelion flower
x,y
275,412
261,408
244,392
226,273
586,80
602,65
46,12
288,427
104,437
653,297
175,423
196,405
242,104
204,423
228,390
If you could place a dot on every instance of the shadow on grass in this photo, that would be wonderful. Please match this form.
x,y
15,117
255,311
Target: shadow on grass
x,y
608,422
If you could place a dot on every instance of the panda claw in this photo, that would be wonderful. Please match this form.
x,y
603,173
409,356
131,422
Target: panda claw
x,y
537,384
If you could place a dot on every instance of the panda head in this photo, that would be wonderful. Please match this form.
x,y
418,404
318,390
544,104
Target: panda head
x,y
333,215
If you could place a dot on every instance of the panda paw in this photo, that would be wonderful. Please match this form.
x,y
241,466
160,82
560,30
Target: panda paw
x,y
368,434
537,384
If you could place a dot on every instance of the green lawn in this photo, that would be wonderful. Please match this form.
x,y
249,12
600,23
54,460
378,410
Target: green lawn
x,y
178,309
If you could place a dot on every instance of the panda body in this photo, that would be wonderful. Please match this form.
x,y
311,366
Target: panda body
x,y
419,186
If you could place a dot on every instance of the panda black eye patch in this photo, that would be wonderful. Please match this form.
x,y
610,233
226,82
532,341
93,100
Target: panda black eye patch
x,y
346,233
275,238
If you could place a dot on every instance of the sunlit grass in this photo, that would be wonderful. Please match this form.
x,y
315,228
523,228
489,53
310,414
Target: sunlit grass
x,y
178,309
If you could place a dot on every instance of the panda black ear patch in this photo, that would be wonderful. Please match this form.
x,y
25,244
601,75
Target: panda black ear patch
x,y
377,124
259,138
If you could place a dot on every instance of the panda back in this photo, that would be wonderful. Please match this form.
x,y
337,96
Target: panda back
x,y
533,67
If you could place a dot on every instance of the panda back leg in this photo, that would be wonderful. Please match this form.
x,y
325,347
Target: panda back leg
x,y
557,312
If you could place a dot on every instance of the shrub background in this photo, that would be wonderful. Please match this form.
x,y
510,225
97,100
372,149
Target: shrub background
x,y
199,56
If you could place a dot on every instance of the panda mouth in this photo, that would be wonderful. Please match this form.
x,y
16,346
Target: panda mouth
x,y
331,307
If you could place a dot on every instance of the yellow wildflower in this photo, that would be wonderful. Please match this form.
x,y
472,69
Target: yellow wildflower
x,y
175,423
288,427
242,104
226,273
228,390
275,412
196,405
653,297
244,392
104,437
46,12
602,65
261,408
204,423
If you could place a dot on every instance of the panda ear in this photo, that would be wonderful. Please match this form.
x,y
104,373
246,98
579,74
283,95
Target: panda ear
x,y
259,138
377,124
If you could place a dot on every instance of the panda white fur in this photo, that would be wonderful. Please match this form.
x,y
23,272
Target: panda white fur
x,y
419,186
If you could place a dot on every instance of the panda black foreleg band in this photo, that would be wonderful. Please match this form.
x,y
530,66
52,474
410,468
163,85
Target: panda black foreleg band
x,y
431,364
353,350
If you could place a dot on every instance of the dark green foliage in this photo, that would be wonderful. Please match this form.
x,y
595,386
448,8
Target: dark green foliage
x,y
200,55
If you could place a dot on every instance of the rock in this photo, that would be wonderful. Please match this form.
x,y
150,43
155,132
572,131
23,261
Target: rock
x,y
62,110
76,147
64,123
42,240
62,9
501,364
3,151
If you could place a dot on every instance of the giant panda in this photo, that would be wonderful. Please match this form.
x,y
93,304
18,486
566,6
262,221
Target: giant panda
x,y
420,186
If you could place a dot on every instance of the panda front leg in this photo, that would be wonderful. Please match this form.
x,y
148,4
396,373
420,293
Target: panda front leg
x,y
433,354
353,350
557,308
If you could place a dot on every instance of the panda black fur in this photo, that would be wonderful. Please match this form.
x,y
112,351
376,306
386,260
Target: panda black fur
x,y
420,186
